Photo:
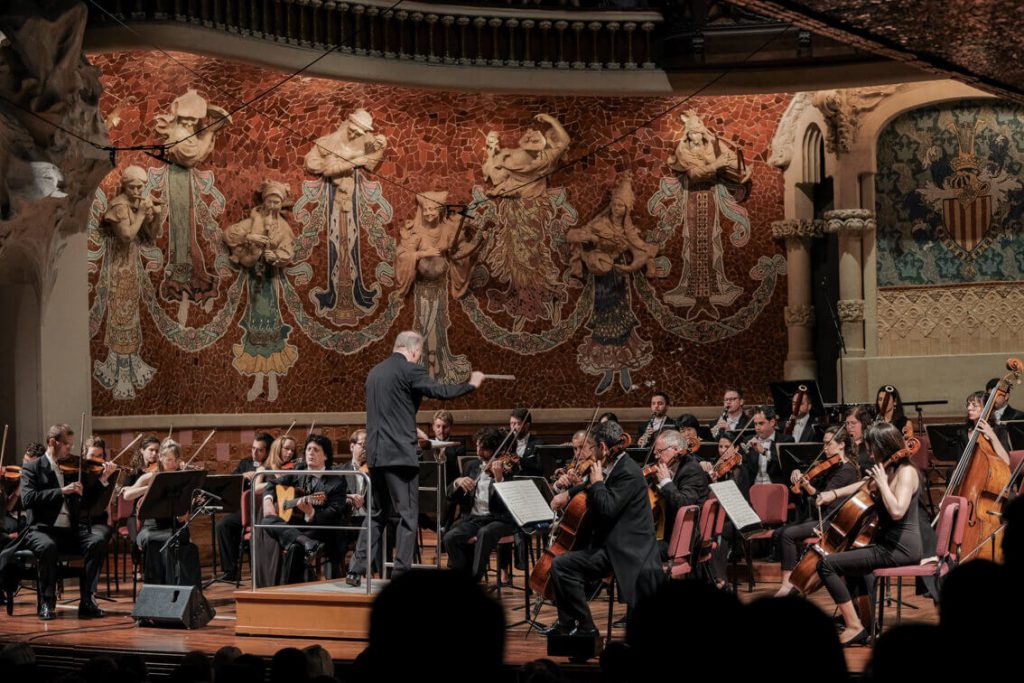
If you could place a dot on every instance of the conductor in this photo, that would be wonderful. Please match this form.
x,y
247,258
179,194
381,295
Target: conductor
x,y
394,389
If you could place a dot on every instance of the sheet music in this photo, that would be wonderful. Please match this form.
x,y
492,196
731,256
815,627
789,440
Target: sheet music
x,y
736,506
524,501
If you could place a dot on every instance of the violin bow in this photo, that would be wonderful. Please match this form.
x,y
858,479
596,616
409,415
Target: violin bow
x,y
289,430
81,455
310,432
126,448
3,445
196,452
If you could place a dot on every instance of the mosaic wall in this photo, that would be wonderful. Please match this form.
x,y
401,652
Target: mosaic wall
x,y
949,196
269,267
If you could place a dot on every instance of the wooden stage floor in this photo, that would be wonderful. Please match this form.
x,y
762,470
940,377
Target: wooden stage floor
x,y
66,642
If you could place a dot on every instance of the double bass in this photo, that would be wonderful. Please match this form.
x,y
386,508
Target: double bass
x,y
982,477
850,525
573,530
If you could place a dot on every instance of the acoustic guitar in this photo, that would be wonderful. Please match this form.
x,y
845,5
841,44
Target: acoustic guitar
x,y
288,499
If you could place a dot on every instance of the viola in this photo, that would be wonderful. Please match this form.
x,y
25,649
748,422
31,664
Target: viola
x,y
10,472
850,525
814,471
572,531
72,464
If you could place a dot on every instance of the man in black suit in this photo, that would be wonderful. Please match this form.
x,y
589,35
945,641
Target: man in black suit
x,y
623,540
483,514
319,455
658,421
733,418
682,483
229,527
1002,411
521,422
803,424
441,427
394,390
53,502
762,463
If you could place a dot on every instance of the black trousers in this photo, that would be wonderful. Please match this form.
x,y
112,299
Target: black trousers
x,y
229,537
46,543
791,538
571,573
395,493
487,529
720,555
848,574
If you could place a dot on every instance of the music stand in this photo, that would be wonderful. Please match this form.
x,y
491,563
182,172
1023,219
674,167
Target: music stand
x,y
98,505
542,484
640,456
170,496
704,433
708,451
552,458
944,441
1015,430
798,456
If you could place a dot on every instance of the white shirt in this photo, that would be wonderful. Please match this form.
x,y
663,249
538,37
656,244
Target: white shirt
x,y
521,445
800,425
63,518
482,497
733,422
762,462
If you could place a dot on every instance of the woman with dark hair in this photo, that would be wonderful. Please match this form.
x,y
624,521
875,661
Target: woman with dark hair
x,y
608,417
791,537
858,420
314,500
889,407
997,435
896,542
146,459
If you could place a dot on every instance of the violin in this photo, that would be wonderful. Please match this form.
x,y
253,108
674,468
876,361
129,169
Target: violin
x,y
691,446
814,471
10,475
732,458
72,464
657,509
850,525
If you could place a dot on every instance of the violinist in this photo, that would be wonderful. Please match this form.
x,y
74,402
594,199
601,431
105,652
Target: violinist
x,y
658,421
897,541
623,540
11,509
266,560
762,461
997,435
155,532
720,555
858,419
521,422
678,479
53,500
482,513
146,459
229,527
1002,411
733,417
282,455
836,445
583,446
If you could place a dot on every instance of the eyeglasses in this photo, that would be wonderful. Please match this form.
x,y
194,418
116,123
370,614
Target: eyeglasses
x,y
659,451
358,443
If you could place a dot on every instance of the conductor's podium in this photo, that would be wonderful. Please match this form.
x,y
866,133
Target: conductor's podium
x,y
319,609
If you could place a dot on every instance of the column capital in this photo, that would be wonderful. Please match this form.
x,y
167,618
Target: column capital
x,y
802,314
849,221
797,227
851,310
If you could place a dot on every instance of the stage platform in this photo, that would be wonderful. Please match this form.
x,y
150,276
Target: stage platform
x,y
65,643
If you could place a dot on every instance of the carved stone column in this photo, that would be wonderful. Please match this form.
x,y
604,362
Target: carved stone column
x,y
850,225
797,234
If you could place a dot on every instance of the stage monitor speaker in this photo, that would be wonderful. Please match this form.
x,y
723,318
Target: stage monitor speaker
x,y
172,606
577,648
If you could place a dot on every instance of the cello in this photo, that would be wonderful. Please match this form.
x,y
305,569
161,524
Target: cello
x,y
981,477
850,525
573,529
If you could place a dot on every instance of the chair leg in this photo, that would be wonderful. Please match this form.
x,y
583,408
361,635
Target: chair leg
x,y
750,565
899,600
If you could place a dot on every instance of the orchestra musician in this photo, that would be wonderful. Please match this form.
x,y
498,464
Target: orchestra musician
x,y
802,428
307,486
11,508
762,461
733,417
791,536
582,450
720,555
679,480
229,527
997,435
1002,411
266,554
521,422
623,540
897,541
146,459
888,398
441,427
858,419
53,502
483,515
155,532
658,421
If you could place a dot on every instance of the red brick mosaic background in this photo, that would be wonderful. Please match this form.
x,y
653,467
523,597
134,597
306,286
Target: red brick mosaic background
x,y
436,141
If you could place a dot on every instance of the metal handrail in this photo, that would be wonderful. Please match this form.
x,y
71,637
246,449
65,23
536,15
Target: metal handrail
x,y
367,498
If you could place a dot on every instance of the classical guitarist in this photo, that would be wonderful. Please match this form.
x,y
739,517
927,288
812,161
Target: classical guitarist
x,y
623,539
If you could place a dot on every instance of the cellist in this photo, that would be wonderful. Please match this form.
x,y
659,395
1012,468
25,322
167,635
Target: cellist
x,y
897,541
623,539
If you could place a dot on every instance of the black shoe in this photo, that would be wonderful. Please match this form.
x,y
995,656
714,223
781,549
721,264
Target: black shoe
x,y
46,612
353,579
557,629
585,631
228,577
313,551
621,623
88,609
862,638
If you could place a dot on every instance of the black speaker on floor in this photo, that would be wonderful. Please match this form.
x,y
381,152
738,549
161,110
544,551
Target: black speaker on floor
x,y
172,606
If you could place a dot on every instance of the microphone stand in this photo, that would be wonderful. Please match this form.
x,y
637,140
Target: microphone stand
x,y
840,344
